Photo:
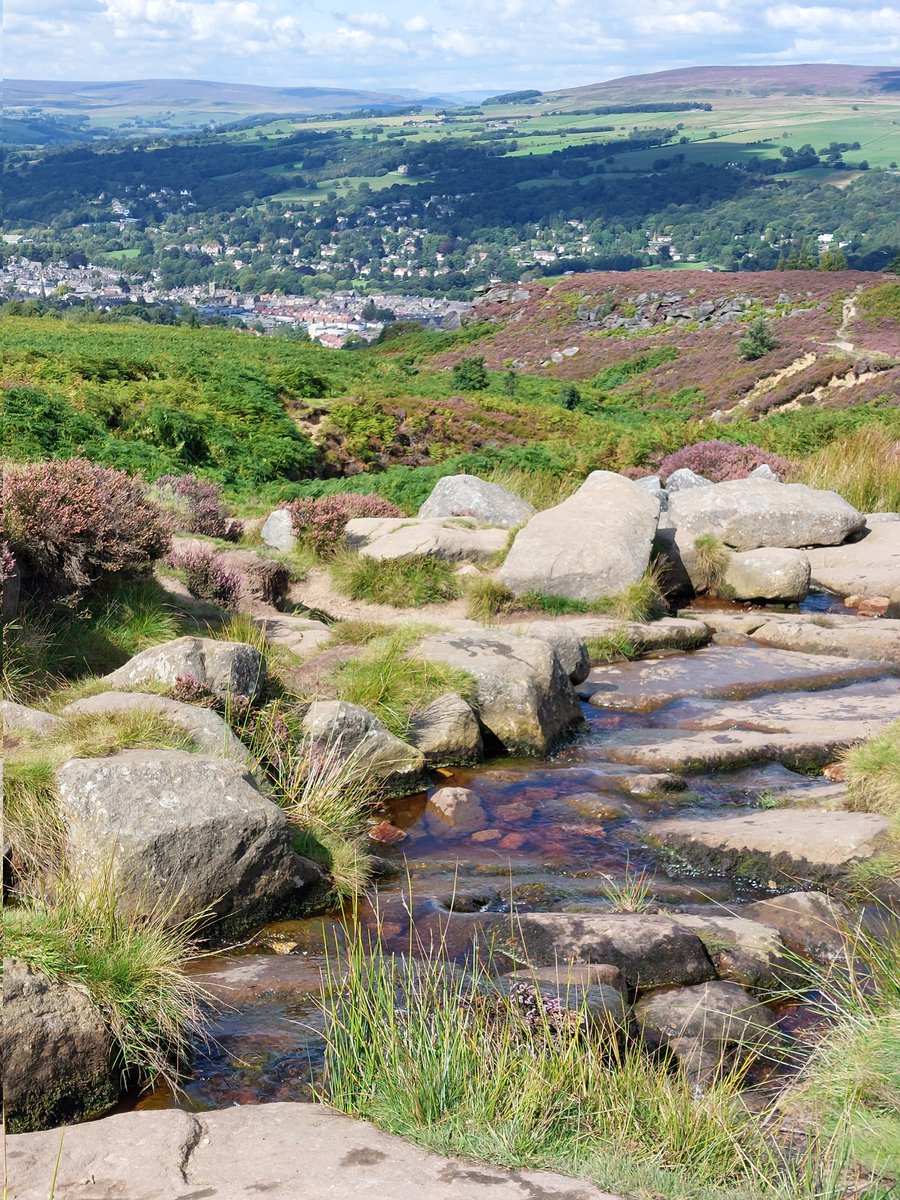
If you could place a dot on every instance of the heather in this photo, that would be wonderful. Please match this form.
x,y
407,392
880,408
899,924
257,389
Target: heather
x,y
208,576
320,523
719,460
196,504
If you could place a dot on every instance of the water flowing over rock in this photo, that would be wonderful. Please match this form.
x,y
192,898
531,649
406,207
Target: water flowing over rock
x,y
226,668
523,696
469,496
595,544
182,833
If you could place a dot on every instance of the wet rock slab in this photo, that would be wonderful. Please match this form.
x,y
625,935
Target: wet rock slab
x,y
722,671
723,749
862,639
283,1151
776,843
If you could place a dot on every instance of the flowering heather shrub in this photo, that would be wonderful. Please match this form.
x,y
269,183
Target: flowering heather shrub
x,y
208,578
321,523
71,524
196,504
718,461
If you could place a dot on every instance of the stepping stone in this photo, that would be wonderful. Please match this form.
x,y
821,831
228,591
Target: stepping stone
x,y
721,750
865,639
868,567
719,671
778,843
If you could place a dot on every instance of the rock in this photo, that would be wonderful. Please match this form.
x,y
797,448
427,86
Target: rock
x,y
447,732
19,719
784,844
223,667
764,471
261,580
768,574
568,644
601,1005
668,633
651,484
893,609
454,809
181,831
579,974
870,566
386,760
453,539
57,1052
300,635
649,950
318,676
469,496
595,544
278,531
810,923
719,671
744,951
873,640
239,979
685,479
749,513
307,1150
210,733
879,518
523,696
675,750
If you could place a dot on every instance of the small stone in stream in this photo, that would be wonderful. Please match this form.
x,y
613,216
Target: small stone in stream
x,y
836,772
386,834
455,808
873,606
515,811
646,785
487,835
599,808
512,841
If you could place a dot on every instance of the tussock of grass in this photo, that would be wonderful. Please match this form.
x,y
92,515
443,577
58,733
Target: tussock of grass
x,y
442,1058
863,467
133,968
356,633
616,644
632,893
712,557
873,773
402,582
543,489
392,683
487,599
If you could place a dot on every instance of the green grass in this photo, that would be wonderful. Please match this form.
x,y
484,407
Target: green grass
x,y
632,893
389,681
488,598
402,582
640,601
356,633
712,557
608,647
441,1058
132,968
863,467
873,773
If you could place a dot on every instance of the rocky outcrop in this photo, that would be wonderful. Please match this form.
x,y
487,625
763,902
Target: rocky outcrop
x,y
746,514
222,667
523,696
447,732
57,1053
361,738
469,496
595,544
208,731
767,574
454,539
182,834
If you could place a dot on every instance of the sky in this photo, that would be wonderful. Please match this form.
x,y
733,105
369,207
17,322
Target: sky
x,y
465,45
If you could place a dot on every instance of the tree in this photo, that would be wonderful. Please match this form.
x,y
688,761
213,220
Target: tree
x,y
470,375
757,341
833,260
569,396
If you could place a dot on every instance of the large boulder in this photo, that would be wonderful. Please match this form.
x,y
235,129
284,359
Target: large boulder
x,y
57,1053
867,567
748,513
18,718
744,951
209,732
771,573
181,832
361,738
447,732
454,539
594,544
810,923
523,696
469,496
225,668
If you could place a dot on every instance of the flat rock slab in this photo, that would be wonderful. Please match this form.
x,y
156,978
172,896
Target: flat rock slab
x,y
244,978
791,843
723,749
454,539
669,633
300,635
282,1151
869,567
855,712
723,671
865,639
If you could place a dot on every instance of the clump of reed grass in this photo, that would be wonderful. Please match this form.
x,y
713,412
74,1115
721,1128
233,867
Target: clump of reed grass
x,y
711,557
407,582
863,467
489,598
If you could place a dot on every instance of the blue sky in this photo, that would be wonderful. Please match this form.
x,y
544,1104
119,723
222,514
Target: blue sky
x,y
466,45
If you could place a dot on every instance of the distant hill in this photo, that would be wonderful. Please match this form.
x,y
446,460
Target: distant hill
x,y
709,83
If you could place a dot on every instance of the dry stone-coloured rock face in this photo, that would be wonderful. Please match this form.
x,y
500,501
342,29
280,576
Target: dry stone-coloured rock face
x,y
523,696
878,641
454,539
768,574
360,736
469,496
447,732
185,832
595,544
17,718
868,567
223,667
748,513
718,1011
56,1050
742,950
569,646
811,923
278,531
